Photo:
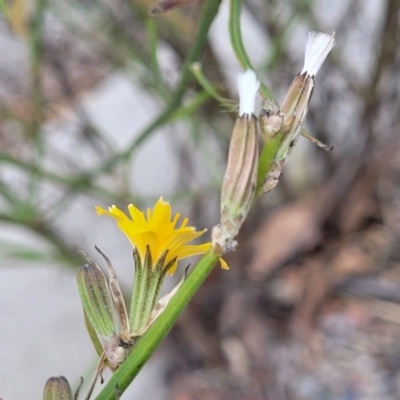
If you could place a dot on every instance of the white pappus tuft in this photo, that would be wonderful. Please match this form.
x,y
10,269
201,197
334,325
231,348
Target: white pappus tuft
x,y
248,85
317,48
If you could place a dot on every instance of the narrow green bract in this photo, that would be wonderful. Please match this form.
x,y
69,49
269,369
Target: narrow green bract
x,y
148,282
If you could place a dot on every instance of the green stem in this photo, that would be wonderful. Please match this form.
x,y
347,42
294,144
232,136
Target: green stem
x,y
151,28
209,12
75,184
68,252
208,87
34,129
3,7
188,110
266,158
156,333
237,42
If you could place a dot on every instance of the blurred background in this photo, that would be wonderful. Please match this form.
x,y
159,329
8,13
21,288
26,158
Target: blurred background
x,y
98,107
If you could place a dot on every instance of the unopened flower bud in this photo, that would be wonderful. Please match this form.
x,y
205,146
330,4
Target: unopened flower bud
x,y
100,313
57,388
238,188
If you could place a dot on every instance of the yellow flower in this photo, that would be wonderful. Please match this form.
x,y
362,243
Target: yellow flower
x,y
158,231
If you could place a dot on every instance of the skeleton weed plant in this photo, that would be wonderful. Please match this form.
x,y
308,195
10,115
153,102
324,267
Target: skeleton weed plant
x,y
124,341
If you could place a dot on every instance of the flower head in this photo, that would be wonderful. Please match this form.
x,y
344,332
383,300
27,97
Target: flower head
x,y
157,231
158,245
